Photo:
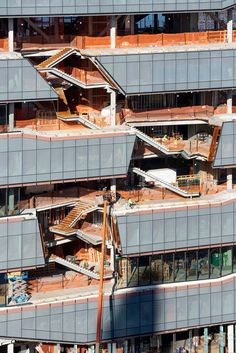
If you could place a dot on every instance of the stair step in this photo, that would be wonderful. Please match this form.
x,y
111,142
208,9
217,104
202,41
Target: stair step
x,y
74,215
53,58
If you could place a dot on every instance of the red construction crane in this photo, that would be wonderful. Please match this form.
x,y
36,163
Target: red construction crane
x,y
100,296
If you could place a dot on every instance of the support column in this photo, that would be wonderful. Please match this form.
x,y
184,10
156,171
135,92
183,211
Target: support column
x,y
229,103
155,23
10,348
132,342
230,26
215,98
205,340
132,24
113,185
113,347
190,340
229,179
56,27
113,108
113,28
174,343
58,348
10,34
11,113
11,200
222,340
109,347
126,346
230,340
90,26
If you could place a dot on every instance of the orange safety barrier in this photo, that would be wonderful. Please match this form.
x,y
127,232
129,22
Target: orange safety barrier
x,y
96,42
161,39
4,44
126,41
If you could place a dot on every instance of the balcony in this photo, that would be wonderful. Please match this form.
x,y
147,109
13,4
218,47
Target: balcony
x,y
203,112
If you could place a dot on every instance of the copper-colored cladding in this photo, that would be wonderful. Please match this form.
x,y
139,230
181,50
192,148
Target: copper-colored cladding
x,y
115,231
100,297
212,150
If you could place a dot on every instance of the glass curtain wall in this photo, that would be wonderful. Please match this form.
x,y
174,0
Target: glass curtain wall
x,y
176,267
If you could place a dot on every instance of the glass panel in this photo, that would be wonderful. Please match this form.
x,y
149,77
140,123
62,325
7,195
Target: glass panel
x,y
216,263
168,268
3,289
132,272
226,260
3,115
203,264
9,201
144,270
122,273
13,201
156,269
234,259
3,202
180,270
191,265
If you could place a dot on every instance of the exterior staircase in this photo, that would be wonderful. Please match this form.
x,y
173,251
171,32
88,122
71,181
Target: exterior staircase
x,y
66,226
214,140
74,267
77,268
164,183
81,119
71,79
150,141
53,60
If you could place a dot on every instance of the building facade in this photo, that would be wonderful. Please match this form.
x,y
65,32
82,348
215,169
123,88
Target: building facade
x,y
117,157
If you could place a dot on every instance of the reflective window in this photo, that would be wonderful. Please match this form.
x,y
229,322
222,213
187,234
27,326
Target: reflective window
x,y
191,265
226,260
215,259
176,267
203,264
168,268
3,115
180,271
132,272
9,201
144,270
3,289
3,206
156,269
234,259
122,272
